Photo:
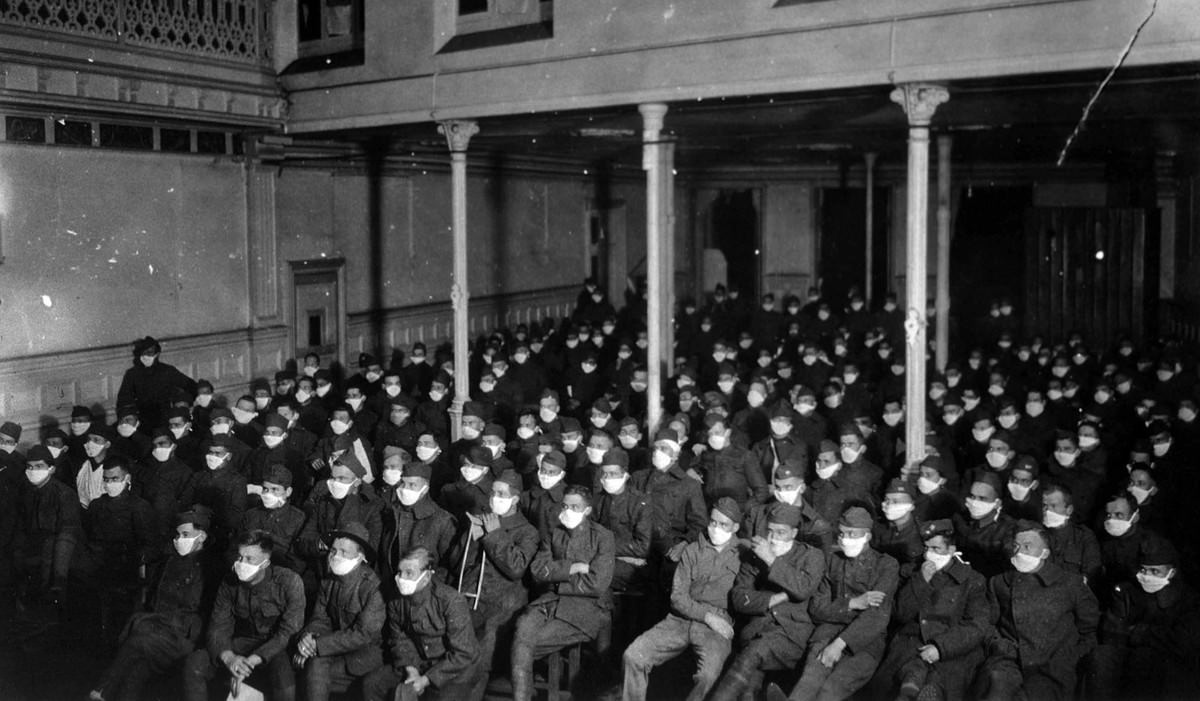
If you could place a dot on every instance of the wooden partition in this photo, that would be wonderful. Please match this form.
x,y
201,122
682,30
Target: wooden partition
x,y
1091,270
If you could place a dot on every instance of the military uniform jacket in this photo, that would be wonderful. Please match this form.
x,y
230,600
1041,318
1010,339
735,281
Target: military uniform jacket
x,y
1046,619
732,472
677,505
814,530
903,543
704,578
829,496
541,507
326,514
223,491
431,630
463,497
772,451
348,619
581,599
269,613
284,524
389,434
49,510
846,578
1166,622
167,486
986,544
1074,548
509,549
950,611
628,516
424,524
797,573
183,589
122,527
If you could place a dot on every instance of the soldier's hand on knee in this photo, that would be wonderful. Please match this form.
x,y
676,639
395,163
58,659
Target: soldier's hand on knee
x,y
721,626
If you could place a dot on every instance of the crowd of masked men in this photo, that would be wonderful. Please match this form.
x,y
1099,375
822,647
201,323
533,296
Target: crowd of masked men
x,y
324,534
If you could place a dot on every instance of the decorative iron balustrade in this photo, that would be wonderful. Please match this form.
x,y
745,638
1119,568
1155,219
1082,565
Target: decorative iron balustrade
x,y
233,30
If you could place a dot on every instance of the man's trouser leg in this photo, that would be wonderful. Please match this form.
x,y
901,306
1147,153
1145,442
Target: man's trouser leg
x,y
662,642
378,685
711,652
323,675
538,635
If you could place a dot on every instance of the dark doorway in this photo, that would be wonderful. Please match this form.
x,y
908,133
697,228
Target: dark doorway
x,y
735,233
987,255
843,251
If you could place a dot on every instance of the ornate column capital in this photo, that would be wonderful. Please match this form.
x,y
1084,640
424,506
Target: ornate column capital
x,y
920,101
652,118
458,133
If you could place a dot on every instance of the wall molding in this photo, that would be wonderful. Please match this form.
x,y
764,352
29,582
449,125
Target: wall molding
x,y
41,389
433,323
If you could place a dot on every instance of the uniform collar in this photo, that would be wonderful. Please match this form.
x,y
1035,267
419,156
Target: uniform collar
x,y
423,508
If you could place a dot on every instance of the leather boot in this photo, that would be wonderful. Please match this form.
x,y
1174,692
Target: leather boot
x,y
730,687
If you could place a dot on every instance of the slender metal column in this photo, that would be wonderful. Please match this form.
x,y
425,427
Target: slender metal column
x,y
458,134
652,123
919,101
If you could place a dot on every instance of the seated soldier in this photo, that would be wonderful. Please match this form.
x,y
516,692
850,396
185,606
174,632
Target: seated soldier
x,y
1151,634
782,444
255,615
985,533
936,499
851,609
899,534
625,511
413,520
158,639
788,487
774,587
1023,499
221,488
726,469
276,515
699,617
1073,545
1123,540
575,564
432,649
341,499
1045,619
47,530
676,500
469,494
164,480
494,557
343,638
942,621
121,539
542,504
835,487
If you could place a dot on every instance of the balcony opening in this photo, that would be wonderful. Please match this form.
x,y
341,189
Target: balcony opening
x,y
329,30
483,23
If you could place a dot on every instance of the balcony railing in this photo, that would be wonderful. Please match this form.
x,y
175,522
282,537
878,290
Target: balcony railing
x,y
231,30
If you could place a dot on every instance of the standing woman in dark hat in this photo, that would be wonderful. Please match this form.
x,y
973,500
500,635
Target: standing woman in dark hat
x,y
149,384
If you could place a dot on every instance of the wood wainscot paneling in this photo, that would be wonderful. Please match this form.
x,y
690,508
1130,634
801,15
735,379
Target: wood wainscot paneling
x,y
39,390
